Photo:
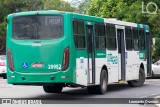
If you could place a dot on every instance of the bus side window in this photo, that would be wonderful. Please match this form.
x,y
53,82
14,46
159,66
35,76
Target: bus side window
x,y
79,34
136,39
111,37
141,39
128,38
100,36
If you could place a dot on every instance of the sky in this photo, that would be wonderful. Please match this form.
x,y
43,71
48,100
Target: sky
x,y
74,2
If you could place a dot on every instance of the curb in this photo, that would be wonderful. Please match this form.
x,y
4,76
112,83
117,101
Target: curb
x,y
158,98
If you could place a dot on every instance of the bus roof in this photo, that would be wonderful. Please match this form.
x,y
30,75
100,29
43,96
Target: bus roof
x,y
124,23
92,18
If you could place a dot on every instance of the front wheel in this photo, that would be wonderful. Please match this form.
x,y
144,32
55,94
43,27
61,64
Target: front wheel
x,y
140,81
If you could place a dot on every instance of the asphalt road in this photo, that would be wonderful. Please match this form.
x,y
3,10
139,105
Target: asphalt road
x,y
150,89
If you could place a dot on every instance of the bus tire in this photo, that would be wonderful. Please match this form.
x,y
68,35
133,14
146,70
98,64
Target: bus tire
x,y
4,76
102,88
140,81
55,88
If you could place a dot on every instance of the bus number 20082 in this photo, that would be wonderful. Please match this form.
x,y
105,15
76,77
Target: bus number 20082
x,y
54,66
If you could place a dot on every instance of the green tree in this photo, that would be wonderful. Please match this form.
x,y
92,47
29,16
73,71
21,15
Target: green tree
x,y
7,7
83,6
13,6
130,10
33,5
58,5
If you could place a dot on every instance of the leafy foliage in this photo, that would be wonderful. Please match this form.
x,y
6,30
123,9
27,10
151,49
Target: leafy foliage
x,y
127,10
13,6
58,5
130,10
84,6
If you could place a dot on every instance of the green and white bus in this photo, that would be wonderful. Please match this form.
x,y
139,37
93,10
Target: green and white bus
x,y
57,49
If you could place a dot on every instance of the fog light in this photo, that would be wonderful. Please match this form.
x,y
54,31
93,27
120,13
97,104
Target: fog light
x,y
23,78
52,77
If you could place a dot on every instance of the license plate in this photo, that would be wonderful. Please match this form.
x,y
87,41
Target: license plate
x,y
37,65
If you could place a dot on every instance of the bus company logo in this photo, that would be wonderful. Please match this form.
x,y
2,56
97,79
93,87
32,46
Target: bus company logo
x,y
6,101
146,8
111,58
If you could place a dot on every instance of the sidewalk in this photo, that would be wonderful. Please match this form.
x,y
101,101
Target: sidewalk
x,y
158,97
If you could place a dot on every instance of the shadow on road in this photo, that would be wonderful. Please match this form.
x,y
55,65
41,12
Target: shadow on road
x,y
81,96
153,78
82,92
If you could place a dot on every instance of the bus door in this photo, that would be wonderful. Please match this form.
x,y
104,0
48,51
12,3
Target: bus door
x,y
121,54
91,53
148,53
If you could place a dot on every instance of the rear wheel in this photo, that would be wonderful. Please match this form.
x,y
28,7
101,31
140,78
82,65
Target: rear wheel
x,y
4,76
102,87
140,81
55,88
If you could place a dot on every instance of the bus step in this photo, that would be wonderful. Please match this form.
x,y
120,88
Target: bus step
x,y
121,82
91,84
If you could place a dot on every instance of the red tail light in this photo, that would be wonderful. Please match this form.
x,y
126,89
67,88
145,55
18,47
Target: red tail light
x,y
2,64
10,60
65,62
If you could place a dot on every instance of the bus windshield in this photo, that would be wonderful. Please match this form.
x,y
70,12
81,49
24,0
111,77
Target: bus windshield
x,y
37,27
